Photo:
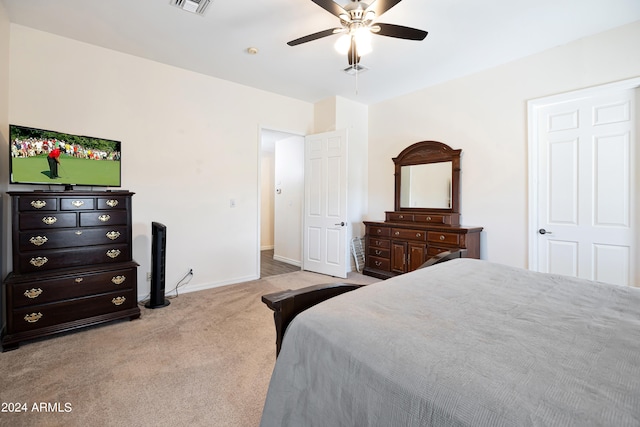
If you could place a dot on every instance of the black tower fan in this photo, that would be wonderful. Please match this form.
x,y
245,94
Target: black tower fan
x,y
158,249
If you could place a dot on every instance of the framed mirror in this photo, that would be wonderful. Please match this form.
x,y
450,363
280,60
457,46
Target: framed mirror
x,y
427,176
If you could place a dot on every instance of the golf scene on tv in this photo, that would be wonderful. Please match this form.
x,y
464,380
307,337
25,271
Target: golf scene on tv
x,y
41,156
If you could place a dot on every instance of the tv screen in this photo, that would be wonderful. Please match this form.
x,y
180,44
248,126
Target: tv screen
x,y
49,157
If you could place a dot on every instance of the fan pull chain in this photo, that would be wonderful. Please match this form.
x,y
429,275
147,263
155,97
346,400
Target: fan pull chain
x,y
357,72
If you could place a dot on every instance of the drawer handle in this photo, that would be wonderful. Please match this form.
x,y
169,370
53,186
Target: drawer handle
x,y
113,253
112,203
38,261
377,242
77,203
397,233
38,240
113,235
378,263
33,293
33,317
418,235
118,300
401,216
442,237
118,280
49,220
379,231
428,218
378,252
79,233
104,218
38,204
78,279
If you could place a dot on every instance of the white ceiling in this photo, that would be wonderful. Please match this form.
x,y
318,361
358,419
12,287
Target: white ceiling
x,y
465,36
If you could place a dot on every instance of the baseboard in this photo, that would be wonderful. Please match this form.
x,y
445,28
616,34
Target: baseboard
x,y
266,248
287,260
194,288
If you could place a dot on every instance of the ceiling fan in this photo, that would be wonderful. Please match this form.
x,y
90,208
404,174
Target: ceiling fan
x,y
357,21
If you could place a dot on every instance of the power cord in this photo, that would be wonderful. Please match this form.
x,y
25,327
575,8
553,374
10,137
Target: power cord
x,y
180,284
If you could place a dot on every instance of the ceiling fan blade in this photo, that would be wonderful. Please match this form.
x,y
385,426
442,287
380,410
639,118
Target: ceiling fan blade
x,y
331,7
398,31
315,36
381,6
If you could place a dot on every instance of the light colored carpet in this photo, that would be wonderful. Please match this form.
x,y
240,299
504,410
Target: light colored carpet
x,y
205,360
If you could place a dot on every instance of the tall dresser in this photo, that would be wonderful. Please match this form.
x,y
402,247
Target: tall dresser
x,y
426,218
72,263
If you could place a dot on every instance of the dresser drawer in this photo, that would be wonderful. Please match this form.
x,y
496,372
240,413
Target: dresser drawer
x,y
443,237
64,258
45,291
77,204
379,243
431,219
27,204
435,250
383,253
32,221
78,237
448,219
101,218
114,202
379,263
396,216
40,316
402,233
378,231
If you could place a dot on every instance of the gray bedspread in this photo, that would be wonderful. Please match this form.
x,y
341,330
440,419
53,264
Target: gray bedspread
x,y
463,343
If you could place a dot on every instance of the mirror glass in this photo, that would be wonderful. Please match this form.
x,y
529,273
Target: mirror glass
x,y
426,186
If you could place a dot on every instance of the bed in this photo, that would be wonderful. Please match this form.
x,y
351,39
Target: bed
x,y
498,346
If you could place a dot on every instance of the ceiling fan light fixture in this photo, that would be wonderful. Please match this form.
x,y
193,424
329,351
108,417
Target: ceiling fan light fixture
x,y
362,36
342,44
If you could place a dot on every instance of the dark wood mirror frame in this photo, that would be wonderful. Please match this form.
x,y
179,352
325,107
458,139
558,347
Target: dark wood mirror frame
x,y
425,152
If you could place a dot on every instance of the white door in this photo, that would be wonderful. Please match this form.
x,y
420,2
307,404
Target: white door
x,y
325,207
586,222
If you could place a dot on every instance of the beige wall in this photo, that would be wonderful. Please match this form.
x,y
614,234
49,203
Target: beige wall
x,y
485,115
190,143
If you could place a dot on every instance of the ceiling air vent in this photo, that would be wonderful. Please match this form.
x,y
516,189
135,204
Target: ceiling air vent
x,y
194,6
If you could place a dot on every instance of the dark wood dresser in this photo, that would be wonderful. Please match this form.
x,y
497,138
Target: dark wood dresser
x,y
404,241
72,263
426,217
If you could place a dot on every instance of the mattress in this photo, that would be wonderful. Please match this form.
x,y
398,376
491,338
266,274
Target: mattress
x,y
463,343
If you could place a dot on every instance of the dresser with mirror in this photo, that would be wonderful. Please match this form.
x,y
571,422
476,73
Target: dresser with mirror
x,y
425,221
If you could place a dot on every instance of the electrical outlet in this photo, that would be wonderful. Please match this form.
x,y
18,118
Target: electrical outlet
x,y
148,276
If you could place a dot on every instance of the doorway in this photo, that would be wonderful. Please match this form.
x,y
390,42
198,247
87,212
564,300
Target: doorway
x,y
582,184
281,190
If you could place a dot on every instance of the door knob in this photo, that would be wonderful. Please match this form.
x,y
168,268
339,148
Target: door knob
x,y
341,224
543,231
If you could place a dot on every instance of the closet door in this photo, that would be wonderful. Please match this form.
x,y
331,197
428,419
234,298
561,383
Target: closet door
x,y
586,204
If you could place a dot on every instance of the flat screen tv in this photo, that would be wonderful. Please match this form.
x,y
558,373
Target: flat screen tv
x,y
49,157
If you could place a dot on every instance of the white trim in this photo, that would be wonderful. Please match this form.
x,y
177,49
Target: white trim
x,y
533,106
287,260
